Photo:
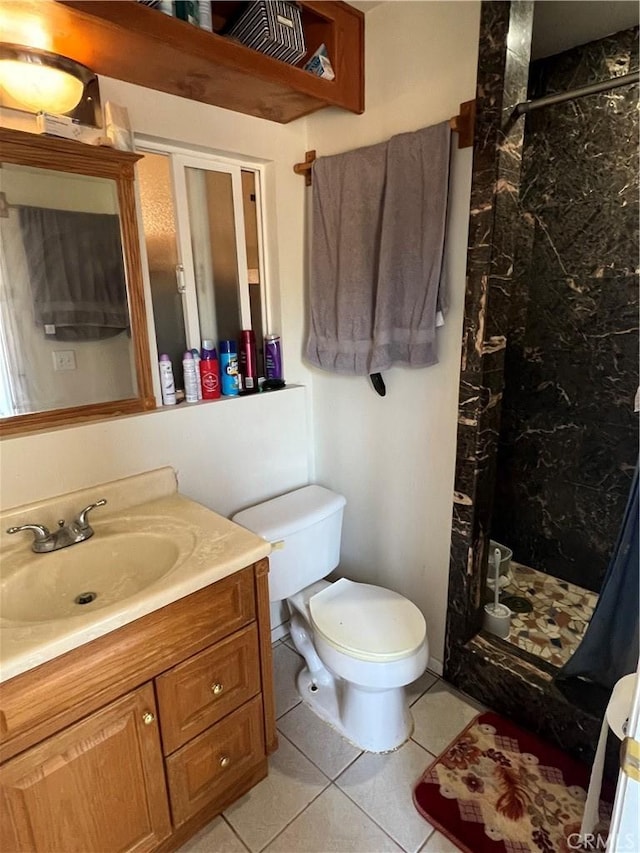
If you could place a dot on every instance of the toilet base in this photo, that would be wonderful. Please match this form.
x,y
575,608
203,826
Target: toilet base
x,y
372,720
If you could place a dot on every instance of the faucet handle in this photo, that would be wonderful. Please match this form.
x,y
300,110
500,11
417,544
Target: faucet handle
x,y
40,532
81,520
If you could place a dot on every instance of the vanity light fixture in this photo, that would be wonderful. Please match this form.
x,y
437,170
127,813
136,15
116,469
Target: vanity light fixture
x,y
40,81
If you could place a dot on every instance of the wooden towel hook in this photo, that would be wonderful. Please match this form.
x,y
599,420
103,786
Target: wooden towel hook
x,y
463,124
305,168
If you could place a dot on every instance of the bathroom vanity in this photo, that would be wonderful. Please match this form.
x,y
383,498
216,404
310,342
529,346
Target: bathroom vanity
x,y
138,735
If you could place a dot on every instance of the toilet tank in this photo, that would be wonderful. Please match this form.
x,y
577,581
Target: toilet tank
x,y
304,528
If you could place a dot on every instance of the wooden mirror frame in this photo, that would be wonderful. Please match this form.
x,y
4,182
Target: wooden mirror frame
x,y
63,155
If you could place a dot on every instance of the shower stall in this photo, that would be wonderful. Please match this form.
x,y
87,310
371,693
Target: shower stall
x,y
547,439
568,437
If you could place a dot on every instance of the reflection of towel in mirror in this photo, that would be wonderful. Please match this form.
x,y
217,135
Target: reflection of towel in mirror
x,y
76,271
379,216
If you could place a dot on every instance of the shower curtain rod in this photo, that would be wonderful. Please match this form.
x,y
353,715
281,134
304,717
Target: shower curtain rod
x,y
592,89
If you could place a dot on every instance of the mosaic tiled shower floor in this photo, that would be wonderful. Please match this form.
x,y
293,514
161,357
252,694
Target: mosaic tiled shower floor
x,y
560,615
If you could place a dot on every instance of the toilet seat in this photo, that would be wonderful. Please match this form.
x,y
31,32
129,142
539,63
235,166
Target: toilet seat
x,y
367,622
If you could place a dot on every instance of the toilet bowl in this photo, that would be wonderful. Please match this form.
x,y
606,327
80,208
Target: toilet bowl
x,y
362,644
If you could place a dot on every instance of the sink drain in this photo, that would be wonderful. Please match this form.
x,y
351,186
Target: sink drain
x,y
85,597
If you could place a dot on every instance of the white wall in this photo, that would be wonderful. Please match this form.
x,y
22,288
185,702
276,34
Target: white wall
x,y
393,457
230,453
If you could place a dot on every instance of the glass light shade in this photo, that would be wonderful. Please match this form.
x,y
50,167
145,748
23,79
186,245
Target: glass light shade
x,y
40,87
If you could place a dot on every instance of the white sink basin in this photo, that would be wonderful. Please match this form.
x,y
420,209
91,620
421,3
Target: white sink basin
x,y
88,576
151,546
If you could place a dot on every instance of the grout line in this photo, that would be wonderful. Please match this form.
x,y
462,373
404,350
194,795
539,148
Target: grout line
x,y
324,772
297,748
300,813
417,699
235,833
297,815
284,713
431,834
324,788
428,751
350,764
373,820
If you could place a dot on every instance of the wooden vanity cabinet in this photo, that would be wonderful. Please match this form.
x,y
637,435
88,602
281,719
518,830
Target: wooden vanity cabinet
x,y
134,741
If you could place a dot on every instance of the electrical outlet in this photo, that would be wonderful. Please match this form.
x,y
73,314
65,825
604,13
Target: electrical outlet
x,y
64,359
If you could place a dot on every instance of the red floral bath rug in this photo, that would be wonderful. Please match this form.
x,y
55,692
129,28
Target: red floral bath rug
x,y
499,789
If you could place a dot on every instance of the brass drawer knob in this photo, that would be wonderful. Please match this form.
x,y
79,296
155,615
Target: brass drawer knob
x,y
148,718
225,761
217,688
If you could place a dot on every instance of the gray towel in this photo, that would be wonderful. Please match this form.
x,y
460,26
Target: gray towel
x,y
77,272
379,216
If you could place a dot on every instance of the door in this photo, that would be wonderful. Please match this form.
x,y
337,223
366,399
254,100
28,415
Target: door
x,y
203,229
97,785
624,834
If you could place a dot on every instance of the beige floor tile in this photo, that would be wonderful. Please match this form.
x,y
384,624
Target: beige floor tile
x,y
332,824
292,783
286,666
439,843
382,785
415,690
317,740
439,715
217,836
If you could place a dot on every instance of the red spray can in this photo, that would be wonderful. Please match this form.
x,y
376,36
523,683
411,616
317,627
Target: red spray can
x,y
248,362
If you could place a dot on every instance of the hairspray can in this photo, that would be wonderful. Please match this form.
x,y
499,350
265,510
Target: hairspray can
x,y
229,379
248,362
273,357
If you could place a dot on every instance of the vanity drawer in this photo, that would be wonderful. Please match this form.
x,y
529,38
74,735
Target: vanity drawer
x,y
207,768
208,686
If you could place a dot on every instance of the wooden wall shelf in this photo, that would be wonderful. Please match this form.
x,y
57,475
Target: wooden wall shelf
x,y
128,41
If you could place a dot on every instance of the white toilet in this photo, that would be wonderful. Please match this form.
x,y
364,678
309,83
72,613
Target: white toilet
x,y
362,644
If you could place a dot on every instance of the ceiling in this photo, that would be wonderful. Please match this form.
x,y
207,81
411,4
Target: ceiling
x,y
366,5
561,24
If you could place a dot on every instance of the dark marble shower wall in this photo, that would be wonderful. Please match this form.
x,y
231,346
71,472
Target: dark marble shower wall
x,y
481,665
569,436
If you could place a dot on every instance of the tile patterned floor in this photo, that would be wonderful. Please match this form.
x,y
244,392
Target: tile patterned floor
x,y
560,615
323,795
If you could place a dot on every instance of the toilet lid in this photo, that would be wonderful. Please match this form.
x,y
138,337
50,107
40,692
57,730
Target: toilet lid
x,y
367,622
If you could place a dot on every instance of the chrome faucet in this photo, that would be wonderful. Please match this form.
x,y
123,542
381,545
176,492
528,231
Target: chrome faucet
x,y
67,534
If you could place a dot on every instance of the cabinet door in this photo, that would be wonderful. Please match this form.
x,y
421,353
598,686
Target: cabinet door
x,y
97,785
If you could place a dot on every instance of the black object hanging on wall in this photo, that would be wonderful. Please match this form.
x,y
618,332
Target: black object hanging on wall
x,y
378,383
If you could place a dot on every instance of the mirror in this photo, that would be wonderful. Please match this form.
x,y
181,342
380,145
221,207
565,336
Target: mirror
x,y
73,341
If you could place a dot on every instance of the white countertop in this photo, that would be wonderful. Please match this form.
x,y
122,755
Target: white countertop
x,y
210,548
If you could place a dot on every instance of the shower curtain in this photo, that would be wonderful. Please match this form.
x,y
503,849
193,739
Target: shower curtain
x,y
609,648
